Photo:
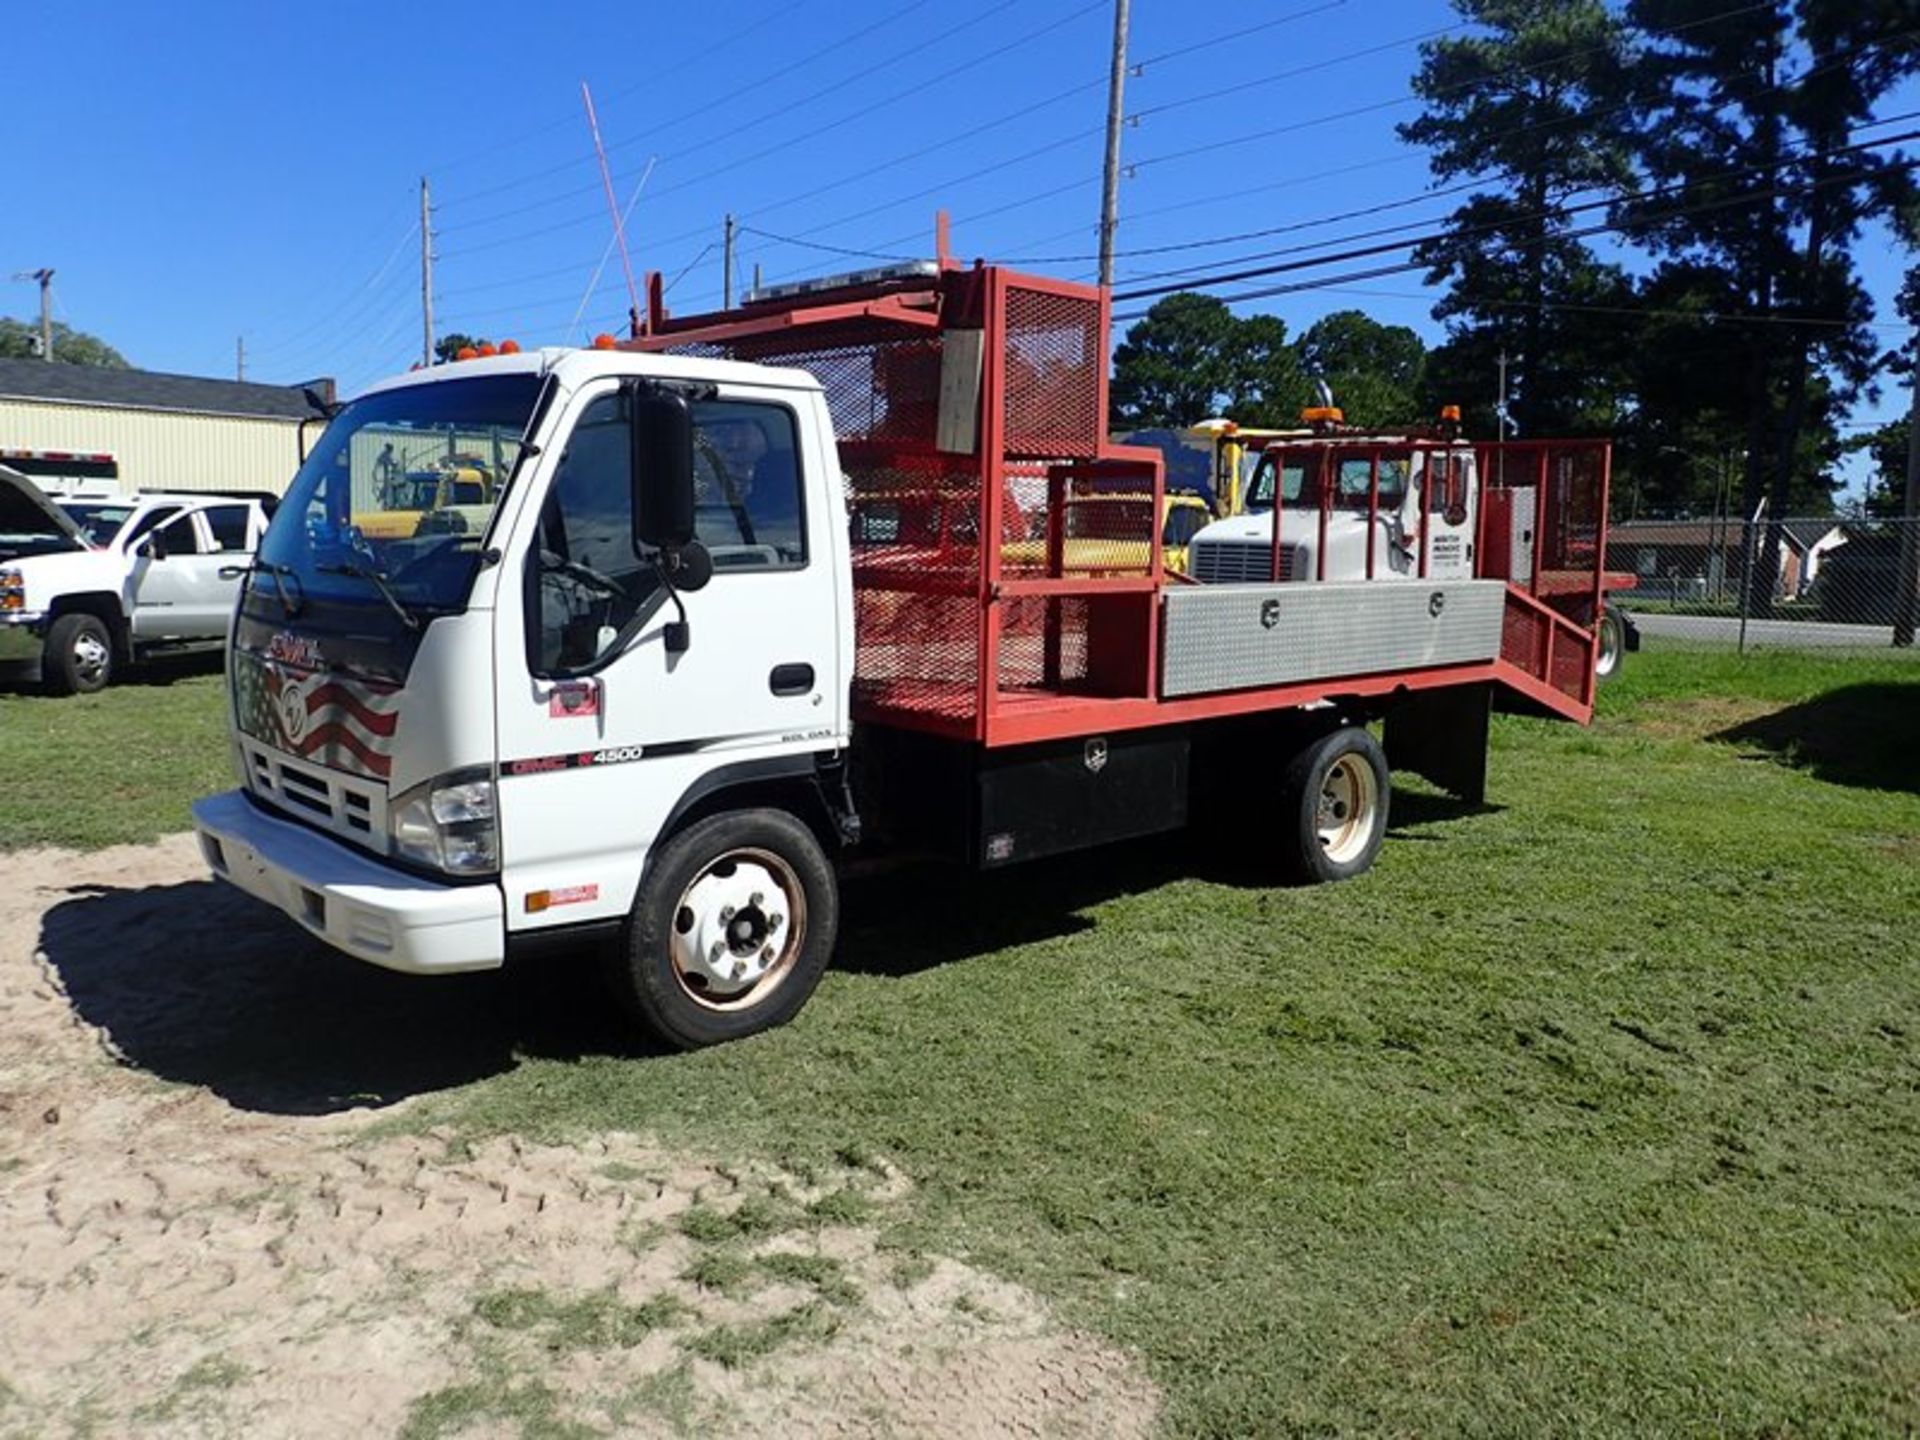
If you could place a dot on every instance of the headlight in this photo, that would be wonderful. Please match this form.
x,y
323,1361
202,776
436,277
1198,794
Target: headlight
x,y
448,823
13,590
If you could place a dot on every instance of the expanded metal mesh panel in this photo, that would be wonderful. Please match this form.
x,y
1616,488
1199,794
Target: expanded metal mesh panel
x,y
917,655
913,518
1043,642
1093,536
1571,665
1523,638
1055,356
878,388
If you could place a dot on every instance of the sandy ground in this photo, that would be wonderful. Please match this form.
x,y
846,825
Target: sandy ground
x,y
197,1236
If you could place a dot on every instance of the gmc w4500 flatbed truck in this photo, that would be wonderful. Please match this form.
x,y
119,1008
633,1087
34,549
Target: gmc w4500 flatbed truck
x,y
662,689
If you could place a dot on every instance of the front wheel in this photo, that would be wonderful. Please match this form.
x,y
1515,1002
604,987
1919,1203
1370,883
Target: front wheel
x,y
78,657
731,930
1335,797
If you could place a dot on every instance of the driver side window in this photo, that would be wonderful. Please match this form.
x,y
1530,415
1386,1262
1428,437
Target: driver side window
x,y
592,580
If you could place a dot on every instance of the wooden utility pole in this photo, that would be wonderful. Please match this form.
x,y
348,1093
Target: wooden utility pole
x,y
1116,117
726,269
426,274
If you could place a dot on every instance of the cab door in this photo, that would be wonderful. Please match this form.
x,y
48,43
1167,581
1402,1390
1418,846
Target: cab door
x,y
1448,474
600,715
177,590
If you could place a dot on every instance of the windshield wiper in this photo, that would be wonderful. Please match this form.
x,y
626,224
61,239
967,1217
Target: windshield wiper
x,y
380,583
293,603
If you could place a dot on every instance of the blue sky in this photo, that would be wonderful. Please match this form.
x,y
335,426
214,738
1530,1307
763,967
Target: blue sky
x,y
201,171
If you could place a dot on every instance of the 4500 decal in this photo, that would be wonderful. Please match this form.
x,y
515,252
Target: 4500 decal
x,y
577,760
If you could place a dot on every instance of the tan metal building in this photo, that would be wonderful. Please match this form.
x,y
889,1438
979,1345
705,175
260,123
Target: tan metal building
x,y
149,431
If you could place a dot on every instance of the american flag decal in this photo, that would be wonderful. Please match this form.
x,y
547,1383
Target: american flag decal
x,y
343,724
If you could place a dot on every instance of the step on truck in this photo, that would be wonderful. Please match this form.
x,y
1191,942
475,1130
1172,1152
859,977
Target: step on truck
x,y
758,598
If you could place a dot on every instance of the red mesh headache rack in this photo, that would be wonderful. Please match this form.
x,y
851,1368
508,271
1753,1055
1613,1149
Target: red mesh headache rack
x,y
1005,554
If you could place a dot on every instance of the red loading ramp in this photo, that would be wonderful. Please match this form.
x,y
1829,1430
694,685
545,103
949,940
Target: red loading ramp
x,y
1545,658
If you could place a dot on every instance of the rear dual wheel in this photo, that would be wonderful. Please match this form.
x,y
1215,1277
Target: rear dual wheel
x,y
1335,800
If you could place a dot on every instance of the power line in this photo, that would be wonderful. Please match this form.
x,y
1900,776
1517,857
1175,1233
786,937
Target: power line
x,y
1234,277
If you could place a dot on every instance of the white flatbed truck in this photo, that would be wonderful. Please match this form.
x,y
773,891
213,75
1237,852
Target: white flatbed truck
x,y
731,621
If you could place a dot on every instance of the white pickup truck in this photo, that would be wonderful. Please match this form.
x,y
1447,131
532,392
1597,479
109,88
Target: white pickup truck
x,y
89,584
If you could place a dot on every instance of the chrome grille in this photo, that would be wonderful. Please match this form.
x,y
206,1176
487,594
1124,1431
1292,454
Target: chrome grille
x,y
1237,562
354,809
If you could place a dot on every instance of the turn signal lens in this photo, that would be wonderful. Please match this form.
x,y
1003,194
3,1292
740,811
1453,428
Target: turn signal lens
x,y
13,590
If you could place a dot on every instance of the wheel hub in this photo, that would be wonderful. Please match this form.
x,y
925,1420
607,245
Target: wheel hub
x,y
1344,815
737,928
90,656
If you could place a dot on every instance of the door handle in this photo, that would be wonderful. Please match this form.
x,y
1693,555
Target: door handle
x,y
795,678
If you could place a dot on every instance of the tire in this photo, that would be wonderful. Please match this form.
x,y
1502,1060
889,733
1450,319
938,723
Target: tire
x,y
1611,654
731,930
1336,793
78,656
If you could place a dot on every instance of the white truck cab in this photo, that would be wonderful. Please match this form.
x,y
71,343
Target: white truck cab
x,y
91,581
454,741
1380,497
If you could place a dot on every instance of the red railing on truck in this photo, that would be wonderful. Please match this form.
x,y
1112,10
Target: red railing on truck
x,y
970,407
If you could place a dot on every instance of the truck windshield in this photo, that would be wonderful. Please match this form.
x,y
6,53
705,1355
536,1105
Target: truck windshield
x,y
98,520
395,499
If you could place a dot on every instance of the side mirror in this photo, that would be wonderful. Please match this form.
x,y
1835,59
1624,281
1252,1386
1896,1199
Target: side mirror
x,y
153,547
662,439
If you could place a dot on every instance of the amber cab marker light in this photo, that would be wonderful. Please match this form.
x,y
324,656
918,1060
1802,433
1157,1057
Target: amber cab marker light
x,y
466,352
509,347
604,341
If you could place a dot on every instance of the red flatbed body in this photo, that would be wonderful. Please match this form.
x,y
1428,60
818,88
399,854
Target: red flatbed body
x,y
971,402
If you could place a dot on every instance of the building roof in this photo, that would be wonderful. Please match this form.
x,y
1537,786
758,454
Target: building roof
x,y
1803,534
152,390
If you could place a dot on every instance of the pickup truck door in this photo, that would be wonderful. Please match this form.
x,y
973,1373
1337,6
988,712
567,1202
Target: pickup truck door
x,y
597,716
178,594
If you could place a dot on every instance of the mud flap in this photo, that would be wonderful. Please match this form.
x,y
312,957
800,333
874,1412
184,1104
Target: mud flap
x,y
1442,736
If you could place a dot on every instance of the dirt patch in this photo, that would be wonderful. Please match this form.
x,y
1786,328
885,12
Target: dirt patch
x,y
196,1238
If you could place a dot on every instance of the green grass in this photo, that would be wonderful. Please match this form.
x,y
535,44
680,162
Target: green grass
x,y
116,768
1596,1110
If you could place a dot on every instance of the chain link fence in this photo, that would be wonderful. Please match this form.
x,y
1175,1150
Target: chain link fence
x,y
1806,582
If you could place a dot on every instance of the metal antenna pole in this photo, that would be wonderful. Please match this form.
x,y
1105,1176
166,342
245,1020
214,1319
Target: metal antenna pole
x,y
239,357
426,274
613,208
1116,116
726,269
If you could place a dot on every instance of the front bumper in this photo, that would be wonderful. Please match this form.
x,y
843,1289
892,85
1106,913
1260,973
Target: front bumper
x,y
22,638
372,911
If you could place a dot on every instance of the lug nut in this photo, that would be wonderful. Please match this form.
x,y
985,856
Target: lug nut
x,y
739,969
756,899
774,921
719,949
767,953
726,913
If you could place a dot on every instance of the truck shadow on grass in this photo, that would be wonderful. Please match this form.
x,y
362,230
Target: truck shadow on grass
x,y
1865,735
197,984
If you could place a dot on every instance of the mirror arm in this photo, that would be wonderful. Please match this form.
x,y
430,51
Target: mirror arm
x,y
678,634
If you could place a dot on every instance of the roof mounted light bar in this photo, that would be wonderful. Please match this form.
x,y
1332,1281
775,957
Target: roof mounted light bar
x,y
909,270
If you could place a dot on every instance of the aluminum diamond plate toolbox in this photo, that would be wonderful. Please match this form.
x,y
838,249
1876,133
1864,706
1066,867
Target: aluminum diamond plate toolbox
x,y
1234,637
